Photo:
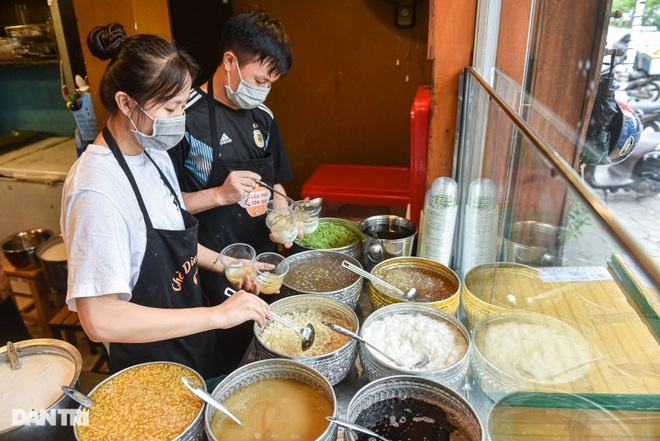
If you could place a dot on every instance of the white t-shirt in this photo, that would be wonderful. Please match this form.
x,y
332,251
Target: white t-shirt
x,y
101,222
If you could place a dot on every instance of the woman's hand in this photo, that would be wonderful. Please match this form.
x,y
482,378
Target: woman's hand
x,y
241,307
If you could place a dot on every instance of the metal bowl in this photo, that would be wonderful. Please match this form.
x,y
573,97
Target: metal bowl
x,y
532,243
453,376
273,368
334,365
331,260
503,287
21,248
499,378
42,426
460,412
193,432
354,250
380,297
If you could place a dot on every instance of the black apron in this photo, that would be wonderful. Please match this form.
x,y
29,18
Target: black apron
x,y
168,279
225,225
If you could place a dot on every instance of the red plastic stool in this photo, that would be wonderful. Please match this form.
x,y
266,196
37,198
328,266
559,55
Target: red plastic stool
x,y
381,185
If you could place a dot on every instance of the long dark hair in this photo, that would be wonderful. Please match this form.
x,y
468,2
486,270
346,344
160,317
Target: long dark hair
x,y
146,67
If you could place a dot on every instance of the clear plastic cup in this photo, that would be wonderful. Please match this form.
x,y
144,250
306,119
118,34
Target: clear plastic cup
x,y
306,219
238,261
282,223
270,269
277,203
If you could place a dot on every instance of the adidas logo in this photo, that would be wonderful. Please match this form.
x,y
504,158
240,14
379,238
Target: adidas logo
x,y
225,139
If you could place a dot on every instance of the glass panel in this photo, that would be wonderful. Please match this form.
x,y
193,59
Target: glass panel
x,y
563,319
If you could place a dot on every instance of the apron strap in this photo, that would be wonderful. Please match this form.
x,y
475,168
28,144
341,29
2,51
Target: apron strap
x,y
167,183
114,148
211,104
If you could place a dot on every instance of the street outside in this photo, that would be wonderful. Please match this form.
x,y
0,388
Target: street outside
x,y
640,217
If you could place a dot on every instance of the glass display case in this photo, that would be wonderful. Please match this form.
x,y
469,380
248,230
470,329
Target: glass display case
x,y
562,305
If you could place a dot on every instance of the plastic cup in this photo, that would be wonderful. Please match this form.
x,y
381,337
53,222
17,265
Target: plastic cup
x,y
282,223
238,261
307,220
270,280
276,203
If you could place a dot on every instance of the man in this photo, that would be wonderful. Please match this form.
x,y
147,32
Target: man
x,y
231,141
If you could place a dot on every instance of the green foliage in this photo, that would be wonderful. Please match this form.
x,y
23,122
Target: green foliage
x,y
627,7
578,217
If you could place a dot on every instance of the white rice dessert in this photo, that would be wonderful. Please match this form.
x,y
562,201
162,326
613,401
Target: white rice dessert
x,y
535,352
410,338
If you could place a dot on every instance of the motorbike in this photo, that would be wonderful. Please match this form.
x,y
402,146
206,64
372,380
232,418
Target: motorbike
x,y
640,85
648,112
618,154
639,173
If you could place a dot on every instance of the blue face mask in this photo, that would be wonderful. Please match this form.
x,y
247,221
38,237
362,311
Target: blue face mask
x,y
246,96
167,132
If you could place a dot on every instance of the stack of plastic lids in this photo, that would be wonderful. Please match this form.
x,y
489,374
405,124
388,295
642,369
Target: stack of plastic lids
x,y
439,221
480,228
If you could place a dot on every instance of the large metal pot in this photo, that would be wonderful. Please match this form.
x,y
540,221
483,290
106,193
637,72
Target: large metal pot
x,y
333,365
331,261
193,432
354,250
273,368
52,257
51,423
21,248
457,409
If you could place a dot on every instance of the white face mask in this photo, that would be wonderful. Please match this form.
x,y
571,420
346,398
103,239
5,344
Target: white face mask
x,y
167,132
246,96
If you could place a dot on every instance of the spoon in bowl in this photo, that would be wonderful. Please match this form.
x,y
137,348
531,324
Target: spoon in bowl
x,y
308,333
410,295
201,393
355,427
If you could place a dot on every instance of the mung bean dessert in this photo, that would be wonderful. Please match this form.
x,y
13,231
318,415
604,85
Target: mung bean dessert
x,y
286,341
322,273
144,402
432,285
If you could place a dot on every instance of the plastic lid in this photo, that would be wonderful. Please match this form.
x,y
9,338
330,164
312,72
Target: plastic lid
x,y
443,193
482,193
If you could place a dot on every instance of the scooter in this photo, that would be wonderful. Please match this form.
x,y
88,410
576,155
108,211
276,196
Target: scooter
x,y
638,173
641,85
648,112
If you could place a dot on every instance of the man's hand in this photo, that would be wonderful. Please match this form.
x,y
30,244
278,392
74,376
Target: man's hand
x,y
238,185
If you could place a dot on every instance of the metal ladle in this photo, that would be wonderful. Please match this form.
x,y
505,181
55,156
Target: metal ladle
x,y
410,295
308,333
201,393
354,336
355,427
78,396
309,205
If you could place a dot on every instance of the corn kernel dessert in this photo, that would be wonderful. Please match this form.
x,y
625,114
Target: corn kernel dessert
x,y
147,402
286,341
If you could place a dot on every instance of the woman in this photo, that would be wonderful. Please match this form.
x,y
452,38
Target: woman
x,y
132,247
